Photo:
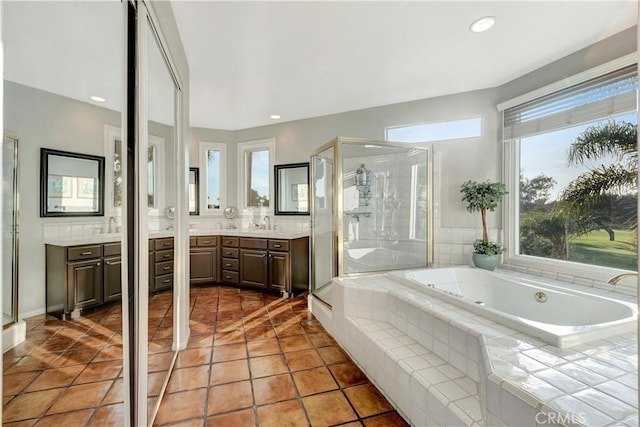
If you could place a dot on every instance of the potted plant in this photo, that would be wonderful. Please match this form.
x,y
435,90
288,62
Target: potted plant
x,y
482,197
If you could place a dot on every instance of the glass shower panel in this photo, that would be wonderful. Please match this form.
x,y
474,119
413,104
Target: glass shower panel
x,y
384,199
9,231
323,241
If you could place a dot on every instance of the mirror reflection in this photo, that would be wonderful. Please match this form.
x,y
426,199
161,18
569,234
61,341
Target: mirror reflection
x,y
161,201
292,189
63,86
71,184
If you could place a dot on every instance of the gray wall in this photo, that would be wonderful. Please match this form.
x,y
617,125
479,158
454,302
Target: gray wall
x,y
459,160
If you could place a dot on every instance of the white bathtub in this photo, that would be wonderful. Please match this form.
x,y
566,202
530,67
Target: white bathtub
x,y
559,316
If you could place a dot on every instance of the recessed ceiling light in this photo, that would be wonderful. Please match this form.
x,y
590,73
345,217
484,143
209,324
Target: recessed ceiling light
x,y
275,116
482,24
98,98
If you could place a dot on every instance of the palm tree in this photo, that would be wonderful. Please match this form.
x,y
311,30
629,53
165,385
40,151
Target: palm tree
x,y
593,189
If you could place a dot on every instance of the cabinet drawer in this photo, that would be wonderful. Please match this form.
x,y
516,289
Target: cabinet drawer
x,y
84,252
230,241
164,282
164,268
192,241
230,277
207,241
112,249
164,243
161,256
279,245
253,243
229,253
230,264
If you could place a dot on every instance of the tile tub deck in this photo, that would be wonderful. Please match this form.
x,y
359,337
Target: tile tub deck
x,y
481,372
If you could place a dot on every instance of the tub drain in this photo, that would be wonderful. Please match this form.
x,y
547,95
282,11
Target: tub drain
x,y
480,303
541,297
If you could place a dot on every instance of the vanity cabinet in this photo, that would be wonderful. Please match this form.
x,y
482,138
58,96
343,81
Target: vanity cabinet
x,y
279,265
254,269
84,276
203,259
230,262
74,278
161,264
112,279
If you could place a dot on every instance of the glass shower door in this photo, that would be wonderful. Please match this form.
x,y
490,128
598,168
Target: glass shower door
x,y
9,231
322,229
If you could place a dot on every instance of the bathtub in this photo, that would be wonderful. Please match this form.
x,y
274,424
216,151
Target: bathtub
x,y
561,317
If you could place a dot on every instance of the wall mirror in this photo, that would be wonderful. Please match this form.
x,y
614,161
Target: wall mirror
x,y
194,191
292,189
71,184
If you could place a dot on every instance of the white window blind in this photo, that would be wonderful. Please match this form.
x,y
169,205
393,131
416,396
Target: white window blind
x,y
609,95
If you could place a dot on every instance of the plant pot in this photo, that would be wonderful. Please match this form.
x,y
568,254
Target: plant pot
x,y
486,262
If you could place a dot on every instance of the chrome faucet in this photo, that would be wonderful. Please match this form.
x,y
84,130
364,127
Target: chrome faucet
x,y
615,279
266,222
110,230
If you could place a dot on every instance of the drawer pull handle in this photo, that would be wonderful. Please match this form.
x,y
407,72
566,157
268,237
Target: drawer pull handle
x,y
98,264
206,242
167,268
227,277
166,244
86,253
166,281
167,255
277,246
264,255
227,265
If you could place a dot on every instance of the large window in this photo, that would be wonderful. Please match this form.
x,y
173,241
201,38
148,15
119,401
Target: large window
x,y
573,158
256,163
212,181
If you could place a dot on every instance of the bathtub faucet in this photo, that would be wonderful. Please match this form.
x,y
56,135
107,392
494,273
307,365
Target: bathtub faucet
x,y
615,279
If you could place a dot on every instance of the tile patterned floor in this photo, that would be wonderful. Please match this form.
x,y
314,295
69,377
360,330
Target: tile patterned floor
x,y
252,360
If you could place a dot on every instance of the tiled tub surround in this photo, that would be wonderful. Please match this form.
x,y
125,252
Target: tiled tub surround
x,y
441,365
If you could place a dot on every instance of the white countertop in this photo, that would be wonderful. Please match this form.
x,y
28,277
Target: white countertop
x,y
116,237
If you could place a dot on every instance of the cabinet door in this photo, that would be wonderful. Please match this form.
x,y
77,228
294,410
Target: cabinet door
x,y
279,271
86,283
203,265
112,280
152,272
253,268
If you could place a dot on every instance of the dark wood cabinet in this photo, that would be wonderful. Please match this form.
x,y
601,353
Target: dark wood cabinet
x,y
254,270
204,260
230,264
85,280
74,279
112,279
279,271
161,262
203,265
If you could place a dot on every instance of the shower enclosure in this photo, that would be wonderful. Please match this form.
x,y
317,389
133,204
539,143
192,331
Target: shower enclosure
x,y
370,210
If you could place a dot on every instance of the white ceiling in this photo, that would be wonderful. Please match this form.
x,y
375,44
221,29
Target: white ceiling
x,y
249,60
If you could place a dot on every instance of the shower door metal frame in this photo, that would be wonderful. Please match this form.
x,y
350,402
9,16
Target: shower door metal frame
x,y
338,208
15,230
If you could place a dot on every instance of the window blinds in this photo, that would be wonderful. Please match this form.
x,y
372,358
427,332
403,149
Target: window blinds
x,y
609,95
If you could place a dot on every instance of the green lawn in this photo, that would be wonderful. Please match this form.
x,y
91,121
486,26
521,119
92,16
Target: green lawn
x,y
595,248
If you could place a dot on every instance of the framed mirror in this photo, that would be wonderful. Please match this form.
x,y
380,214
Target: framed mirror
x,y
292,189
194,191
71,184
